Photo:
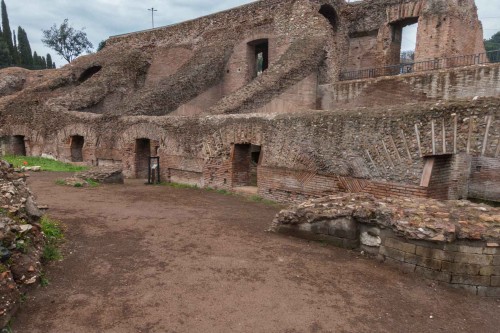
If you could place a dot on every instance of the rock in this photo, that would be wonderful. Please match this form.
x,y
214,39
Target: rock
x,y
32,209
25,227
104,175
370,240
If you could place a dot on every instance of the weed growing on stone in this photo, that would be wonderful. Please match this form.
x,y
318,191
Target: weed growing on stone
x,y
60,182
78,185
54,235
45,163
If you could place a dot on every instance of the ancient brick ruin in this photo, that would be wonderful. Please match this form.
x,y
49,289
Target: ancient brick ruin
x,y
257,96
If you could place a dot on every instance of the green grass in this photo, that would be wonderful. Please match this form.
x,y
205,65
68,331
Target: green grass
x,y
54,235
178,185
45,163
256,198
220,191
44,281
60,182
91,182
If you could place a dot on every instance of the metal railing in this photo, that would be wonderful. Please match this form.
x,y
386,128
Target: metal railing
x,y
422,66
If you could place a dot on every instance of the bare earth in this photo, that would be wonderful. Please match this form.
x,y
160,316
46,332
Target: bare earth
x,y
156,259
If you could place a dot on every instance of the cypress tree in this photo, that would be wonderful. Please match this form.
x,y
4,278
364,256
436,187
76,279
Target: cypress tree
x,y
5,58
43,62
49,61
25,55
7,34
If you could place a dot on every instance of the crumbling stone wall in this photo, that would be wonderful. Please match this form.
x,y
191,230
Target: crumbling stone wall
x,y
442,241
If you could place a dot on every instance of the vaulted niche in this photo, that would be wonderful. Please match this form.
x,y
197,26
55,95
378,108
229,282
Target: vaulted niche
x,y
88,73
77,142
258,57
330,14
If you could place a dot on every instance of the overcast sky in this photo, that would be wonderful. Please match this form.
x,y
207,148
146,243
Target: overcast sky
x,y
104,18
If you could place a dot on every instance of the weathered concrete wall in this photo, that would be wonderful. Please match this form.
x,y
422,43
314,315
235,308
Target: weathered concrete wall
x,y
451,84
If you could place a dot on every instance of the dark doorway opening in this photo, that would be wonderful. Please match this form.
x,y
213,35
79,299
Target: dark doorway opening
x,y
18,145
77,142
142,153
246,159
258,57
330,14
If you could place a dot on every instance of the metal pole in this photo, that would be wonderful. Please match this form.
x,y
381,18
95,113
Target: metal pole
x,y
153,10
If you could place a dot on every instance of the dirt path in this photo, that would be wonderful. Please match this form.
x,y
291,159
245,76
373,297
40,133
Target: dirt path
x,y
157,259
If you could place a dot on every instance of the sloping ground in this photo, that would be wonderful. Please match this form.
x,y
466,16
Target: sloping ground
x,y
157,259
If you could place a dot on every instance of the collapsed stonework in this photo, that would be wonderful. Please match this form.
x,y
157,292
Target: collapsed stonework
x,y
453,242
21,241
251,96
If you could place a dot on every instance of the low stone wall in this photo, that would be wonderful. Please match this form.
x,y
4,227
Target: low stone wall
x,y
453,243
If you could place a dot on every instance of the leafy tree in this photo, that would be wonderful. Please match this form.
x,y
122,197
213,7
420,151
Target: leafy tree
x,y
25,55
101,45
66,41
7,34
493,43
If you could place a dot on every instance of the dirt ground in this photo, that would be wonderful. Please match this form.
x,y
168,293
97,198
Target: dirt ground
x,y
156,259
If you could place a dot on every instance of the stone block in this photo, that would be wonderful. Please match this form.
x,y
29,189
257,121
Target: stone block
x,y
433,275
402,266
467,288
320,228
429,263
399,245
350,244
489,270
491,250
475,280
479,259
343,228
434,253
496,260
495,281
488,291
469,249
460,268
392,253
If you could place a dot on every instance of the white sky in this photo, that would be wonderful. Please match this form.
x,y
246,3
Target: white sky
x,y
104,18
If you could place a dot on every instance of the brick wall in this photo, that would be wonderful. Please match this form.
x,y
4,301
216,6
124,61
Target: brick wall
x,y
458,83
485,178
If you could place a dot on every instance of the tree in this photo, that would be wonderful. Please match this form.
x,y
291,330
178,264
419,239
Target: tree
x,y
101,45
66,41
7,34
493,43
5,57
25,55
49,61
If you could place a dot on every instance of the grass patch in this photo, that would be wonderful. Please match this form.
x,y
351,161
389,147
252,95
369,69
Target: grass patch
x,y
91,182
45,163
54,235
220,191
44,281
256,198
178,185
60,182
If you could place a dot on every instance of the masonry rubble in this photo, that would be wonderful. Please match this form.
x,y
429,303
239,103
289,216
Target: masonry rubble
x,y
21,240
454,242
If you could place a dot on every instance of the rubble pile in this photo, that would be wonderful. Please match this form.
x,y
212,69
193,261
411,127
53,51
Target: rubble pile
x,y
21,240
415,218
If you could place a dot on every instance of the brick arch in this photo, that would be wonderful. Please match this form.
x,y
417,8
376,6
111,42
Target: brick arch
x,y
63,143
